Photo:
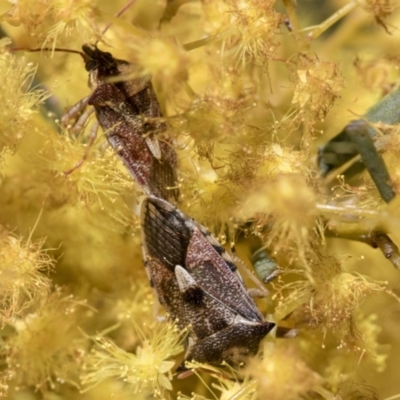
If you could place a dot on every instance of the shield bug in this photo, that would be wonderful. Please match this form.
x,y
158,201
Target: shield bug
x,y
130,115
198,284
128,111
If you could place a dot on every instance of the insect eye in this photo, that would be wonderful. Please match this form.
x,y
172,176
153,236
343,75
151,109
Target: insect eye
x,y
91,64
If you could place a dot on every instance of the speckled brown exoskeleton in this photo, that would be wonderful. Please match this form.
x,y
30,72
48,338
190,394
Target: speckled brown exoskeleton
x,y
128,111
197,282
193,275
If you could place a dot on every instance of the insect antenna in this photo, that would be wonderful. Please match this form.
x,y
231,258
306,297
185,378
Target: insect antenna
x,y
117,15
48,49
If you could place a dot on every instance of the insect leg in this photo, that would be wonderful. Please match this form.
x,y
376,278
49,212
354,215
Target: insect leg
x,y
92,138
74,110
82,120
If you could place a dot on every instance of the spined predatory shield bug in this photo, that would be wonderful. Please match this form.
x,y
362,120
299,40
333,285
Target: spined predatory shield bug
x,y
198,284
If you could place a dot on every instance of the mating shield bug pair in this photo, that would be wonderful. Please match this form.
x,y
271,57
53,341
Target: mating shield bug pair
x,y
193,276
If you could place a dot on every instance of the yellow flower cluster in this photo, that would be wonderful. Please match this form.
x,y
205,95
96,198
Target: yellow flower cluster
x,y
250,90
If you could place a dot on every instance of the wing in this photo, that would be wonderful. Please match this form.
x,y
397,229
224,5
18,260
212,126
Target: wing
x,y
165,235
125,134
175,239
205,314
163,175
213,274
216,333
164,283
